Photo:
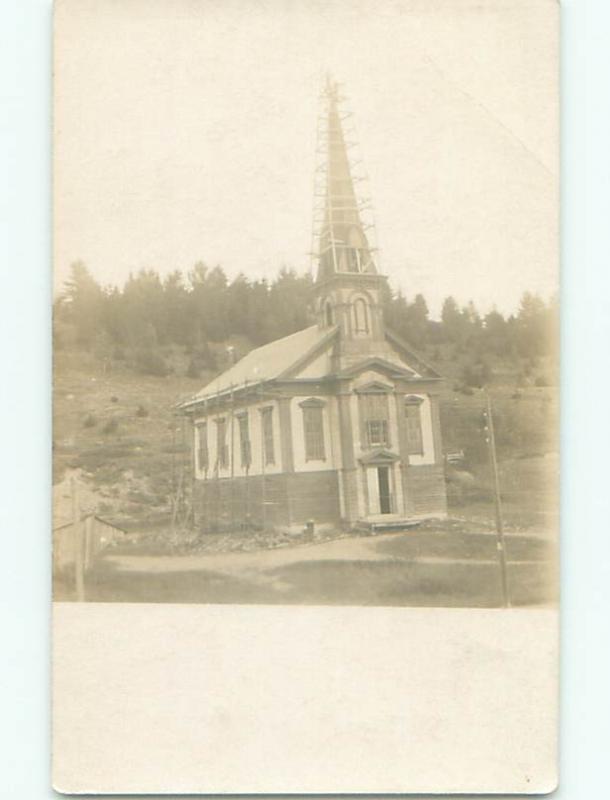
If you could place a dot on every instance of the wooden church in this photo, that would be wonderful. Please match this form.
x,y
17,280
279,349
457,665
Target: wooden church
x,y
336,424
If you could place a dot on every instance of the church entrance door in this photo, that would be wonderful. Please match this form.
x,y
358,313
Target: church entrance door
x,y
380,482
385,499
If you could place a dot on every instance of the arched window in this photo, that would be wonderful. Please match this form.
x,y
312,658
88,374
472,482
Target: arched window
x,y
328,314
361,316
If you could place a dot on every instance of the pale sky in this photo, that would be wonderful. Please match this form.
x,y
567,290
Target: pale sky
x,y
185,131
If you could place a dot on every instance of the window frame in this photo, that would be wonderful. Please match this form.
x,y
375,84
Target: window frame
x,y
370,415
383,440
222,459
245,443
314,439
267,436
361,327
414,445
202,453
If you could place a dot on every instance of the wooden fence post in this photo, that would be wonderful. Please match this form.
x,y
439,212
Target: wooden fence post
x,y
77,528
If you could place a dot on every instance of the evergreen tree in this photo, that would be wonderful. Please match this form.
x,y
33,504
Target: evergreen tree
x,y
496,334
175,298
205,307
82,301
532,327
454,327
144,309
416,323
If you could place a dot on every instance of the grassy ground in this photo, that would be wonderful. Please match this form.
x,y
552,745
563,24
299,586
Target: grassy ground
x,y
118,429
429,567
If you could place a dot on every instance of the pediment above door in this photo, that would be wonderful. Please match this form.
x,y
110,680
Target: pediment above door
x,y
378,458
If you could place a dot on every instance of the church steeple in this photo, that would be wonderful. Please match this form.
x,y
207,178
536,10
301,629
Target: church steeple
x,y
343,244
348,286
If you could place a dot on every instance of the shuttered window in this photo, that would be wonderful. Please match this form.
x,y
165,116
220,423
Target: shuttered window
x,y
202,447
414,437
222,455
313,427
267,425
245,449
375,422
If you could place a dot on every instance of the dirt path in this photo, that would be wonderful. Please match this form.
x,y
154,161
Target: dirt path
x,y
347,549
424,568
352,549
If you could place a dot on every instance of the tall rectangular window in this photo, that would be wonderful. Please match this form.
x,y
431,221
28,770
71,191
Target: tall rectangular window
x,y
267,430
375,421
202,447
244,439
222,455
415,440
313,425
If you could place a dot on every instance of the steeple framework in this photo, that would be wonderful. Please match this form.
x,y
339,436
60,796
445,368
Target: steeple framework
x,y
348,286
342,241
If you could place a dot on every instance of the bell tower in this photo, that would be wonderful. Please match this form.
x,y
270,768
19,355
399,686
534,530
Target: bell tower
x,y
348,287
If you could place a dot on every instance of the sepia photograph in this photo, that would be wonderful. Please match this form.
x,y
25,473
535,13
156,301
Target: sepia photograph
x,y
305,396
305,322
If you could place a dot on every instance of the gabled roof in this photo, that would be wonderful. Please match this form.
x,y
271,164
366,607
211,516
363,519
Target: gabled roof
x,y
425,369
267,362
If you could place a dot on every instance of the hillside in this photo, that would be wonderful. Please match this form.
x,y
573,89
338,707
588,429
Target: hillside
x,y
116,427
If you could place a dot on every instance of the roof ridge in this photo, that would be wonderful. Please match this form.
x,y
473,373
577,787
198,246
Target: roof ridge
x,y
281,339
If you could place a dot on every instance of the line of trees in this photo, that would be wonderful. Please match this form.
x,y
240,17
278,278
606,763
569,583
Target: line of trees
x,y
531,332
201,306
204,307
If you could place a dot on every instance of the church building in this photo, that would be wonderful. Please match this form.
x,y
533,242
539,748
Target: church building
x,y
336,424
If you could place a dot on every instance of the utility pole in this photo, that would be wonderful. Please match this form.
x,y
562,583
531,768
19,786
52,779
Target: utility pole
x,y
263,460
232,441
79,571
207,475
173,424
176,490
490,438
248,463
88,557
